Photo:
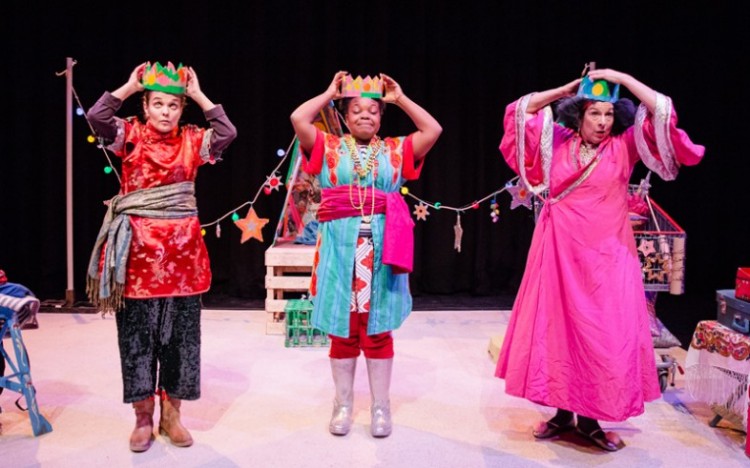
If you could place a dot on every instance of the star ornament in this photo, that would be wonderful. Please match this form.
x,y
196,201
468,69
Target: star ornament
x,y
521,196
656,274
647,247
251,226
657,268
273,182
420,211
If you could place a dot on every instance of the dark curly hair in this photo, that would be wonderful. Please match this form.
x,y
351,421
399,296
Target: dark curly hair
x,y
569,112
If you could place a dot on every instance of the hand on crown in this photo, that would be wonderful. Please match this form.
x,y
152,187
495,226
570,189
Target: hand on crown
x,y
134,81
192,87
334,89
607,74
392,89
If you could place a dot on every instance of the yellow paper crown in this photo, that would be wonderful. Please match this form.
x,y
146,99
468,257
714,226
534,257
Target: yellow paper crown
x,y
362,87
166,79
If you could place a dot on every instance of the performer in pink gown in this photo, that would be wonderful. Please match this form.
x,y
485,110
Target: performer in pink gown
x,y
578,338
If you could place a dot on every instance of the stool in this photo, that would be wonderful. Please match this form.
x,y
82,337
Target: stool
x,y
717,367
20,378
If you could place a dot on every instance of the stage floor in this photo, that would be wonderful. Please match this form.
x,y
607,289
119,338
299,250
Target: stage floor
x,y
265,405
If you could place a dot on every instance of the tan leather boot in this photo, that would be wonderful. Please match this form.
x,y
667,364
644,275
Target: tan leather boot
x,y
143,434
170,424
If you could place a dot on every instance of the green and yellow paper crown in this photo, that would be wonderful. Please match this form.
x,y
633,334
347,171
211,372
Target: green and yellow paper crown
x,y
362,87
167,79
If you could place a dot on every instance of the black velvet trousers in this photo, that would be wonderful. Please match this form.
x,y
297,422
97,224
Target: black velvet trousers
x,y
160,338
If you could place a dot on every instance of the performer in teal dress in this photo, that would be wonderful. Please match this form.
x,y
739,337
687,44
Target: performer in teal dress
x,y
360,284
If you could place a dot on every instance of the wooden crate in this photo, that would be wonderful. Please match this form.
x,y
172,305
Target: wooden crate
x,y
288,272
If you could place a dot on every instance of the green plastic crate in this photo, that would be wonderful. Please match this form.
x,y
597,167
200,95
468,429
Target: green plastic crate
x,y
299,332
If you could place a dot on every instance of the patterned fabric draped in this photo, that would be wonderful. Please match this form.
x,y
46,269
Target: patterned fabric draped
x,y
333,269
167,257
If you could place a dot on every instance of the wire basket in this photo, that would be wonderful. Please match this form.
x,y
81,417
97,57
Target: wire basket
x,y
660,243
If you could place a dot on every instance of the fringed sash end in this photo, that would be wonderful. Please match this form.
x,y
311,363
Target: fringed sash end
x,y
111,304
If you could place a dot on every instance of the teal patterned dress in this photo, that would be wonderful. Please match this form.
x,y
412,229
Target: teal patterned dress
x,y
333,268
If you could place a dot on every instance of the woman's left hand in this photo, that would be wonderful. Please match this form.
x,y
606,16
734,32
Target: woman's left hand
x,y
607,74
192,87
392,89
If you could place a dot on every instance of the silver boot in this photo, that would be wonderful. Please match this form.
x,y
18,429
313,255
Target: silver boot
x,y
343,405
379,372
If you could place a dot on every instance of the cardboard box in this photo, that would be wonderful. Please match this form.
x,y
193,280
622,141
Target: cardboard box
x,y
732,312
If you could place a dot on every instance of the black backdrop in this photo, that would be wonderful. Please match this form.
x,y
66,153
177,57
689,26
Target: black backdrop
x,y
463,61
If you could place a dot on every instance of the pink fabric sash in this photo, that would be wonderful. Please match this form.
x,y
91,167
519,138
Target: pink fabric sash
x,y
398,237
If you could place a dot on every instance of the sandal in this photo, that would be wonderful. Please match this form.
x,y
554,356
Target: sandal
x,y
549,429
608,441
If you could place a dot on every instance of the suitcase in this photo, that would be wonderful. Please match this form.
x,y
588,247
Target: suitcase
x,y
742,288
732,312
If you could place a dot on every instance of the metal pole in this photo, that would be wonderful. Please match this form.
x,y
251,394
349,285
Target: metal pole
x,y
69,292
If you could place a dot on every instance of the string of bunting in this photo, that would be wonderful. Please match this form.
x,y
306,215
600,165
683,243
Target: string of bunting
x,y
520,197
251,225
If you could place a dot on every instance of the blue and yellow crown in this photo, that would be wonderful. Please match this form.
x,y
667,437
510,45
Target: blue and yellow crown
x,y
599,90
166,79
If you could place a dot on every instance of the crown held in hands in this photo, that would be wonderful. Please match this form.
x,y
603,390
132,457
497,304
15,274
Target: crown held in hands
x,y
167,79
362,87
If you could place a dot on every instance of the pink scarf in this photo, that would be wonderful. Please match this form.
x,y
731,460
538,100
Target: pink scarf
x,y
398,237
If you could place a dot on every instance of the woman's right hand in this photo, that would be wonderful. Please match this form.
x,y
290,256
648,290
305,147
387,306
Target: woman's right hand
x,y
303,118
334,89
570,89
133,85
134,81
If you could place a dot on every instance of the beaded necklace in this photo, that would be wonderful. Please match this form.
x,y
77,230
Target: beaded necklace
x,y
585,154
373,148
360,171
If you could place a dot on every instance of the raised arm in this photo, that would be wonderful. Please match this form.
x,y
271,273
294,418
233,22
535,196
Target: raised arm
x,y
428,129
646,95
194,92
224,131
304,116
101,116
133,85
543,98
